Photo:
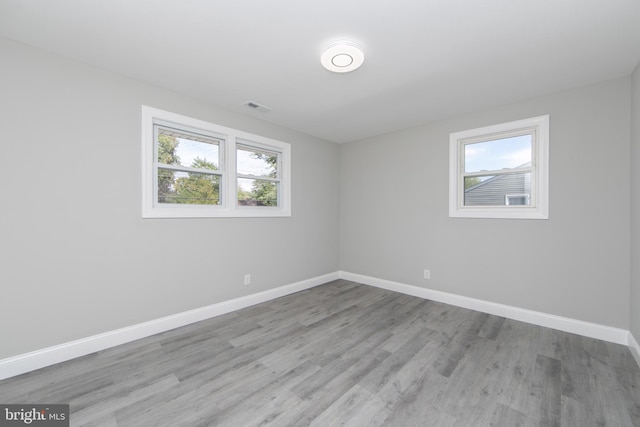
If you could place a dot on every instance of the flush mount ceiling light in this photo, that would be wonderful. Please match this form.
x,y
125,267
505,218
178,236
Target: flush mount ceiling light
x,y
342,57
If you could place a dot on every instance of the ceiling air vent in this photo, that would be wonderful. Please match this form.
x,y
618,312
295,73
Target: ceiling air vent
x,y
257,107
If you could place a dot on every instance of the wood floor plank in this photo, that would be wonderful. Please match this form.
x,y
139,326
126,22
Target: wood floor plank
x,y
356,407
264,403
107,403
320,399
472,392
491,327
341,363
387,369
546,391
506,416
460,343
265,412
629,379
346,354
518,346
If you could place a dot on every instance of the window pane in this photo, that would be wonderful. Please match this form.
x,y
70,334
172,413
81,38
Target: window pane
x,y
472,181
257,192
493,190
257,163
188,188
498,154
517,199
187,149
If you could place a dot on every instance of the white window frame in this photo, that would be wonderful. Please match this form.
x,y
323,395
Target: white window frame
x,y
538,127
230,138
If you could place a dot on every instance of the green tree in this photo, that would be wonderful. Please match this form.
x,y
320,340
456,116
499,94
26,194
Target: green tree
x,y
244,195
265,193
471,181
198,188
167,146
203,164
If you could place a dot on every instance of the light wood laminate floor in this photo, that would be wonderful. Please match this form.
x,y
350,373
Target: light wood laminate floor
x,y
346,354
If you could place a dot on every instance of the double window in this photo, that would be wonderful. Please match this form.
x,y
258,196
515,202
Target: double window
x,y
500,171
192,168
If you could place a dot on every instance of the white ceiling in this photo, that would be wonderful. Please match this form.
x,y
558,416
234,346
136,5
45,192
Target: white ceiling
x,y
425,59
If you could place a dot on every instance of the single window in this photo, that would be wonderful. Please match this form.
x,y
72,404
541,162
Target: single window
x,y
258,176
500,171
193,168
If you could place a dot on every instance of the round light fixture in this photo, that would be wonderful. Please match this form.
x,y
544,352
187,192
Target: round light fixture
x,y
342,57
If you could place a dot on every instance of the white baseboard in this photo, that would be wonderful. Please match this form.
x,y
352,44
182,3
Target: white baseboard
x,y
635,348
20,364
592,330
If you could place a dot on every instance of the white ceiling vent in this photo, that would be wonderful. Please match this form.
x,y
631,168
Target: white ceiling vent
x,y
257,107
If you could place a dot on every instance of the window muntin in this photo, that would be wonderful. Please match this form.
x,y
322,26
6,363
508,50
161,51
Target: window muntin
x,y
500,171
193,168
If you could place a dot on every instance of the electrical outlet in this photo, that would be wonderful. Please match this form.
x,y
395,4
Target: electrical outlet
x,y
427,274
247,279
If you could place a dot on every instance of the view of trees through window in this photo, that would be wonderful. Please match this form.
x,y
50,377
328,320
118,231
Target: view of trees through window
x,y
183,177
252,165
187,186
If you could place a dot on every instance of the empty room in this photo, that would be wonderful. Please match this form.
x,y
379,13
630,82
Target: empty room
x,y
305,213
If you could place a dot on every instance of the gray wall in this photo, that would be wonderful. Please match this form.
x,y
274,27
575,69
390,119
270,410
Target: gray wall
x,y
79,259
635,204
394,212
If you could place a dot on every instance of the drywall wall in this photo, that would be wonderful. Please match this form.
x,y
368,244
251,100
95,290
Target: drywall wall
x,y
395,223
635,204
79,260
